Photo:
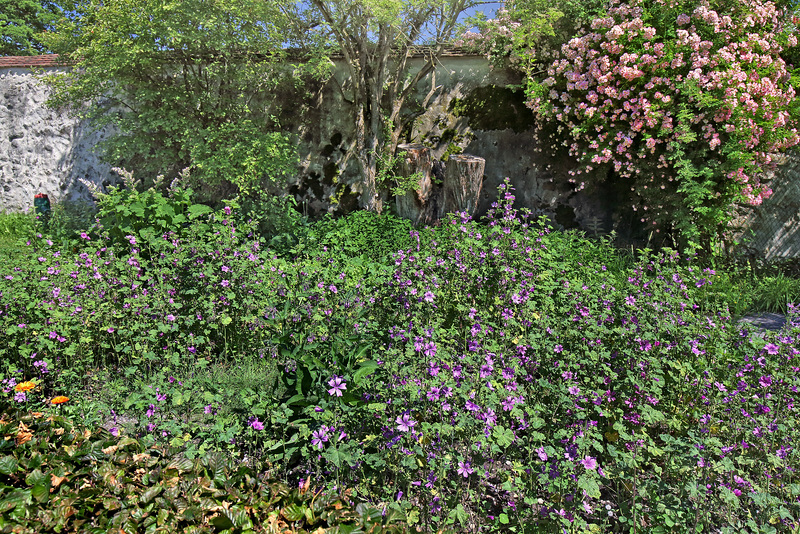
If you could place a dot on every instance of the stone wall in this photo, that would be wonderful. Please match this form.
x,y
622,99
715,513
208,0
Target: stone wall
x,y
772,230
41,150
468,109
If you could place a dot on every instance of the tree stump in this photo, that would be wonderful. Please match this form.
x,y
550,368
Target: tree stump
x,y
417,204
463,180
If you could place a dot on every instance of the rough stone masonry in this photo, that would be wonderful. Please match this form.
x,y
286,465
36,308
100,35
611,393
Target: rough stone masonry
x,y
41,150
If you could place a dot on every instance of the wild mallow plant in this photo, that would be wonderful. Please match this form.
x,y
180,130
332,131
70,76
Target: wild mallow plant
x,y
522,386
492,376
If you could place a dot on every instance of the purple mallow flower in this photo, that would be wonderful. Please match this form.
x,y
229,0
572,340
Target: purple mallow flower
x,y
256,424
589,463
405,423
464,469
319,437
337,386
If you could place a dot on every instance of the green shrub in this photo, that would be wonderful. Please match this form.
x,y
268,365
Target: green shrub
x,y
68,219
276,219
484,376
359,234
126,213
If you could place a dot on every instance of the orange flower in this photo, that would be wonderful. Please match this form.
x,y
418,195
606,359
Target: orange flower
x,y
24,386
59,400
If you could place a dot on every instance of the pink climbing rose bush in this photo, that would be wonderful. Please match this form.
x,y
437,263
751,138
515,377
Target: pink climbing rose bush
x,y
688,102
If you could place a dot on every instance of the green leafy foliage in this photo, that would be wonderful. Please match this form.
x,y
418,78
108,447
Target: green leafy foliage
x,y
243,154
14,227
360,234
276,217
21,22
182,84
490,375
527,34
126,214
68,219
56,475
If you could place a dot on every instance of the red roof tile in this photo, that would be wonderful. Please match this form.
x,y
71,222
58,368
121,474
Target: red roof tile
x,y
47,60
51,60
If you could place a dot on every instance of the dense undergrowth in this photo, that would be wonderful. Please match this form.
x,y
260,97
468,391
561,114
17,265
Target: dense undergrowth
x,y
495,376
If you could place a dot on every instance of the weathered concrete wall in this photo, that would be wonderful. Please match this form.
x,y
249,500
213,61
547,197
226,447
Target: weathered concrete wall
x,y
41,150
467,109
772,230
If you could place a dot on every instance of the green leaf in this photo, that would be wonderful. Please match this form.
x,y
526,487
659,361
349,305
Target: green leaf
x,y
588,484
36,477
337,456
198,210
150,494
41,492
181,464
8,465
293,512
458,514
503,436
239,517
17,497
222,522
365,369
216,464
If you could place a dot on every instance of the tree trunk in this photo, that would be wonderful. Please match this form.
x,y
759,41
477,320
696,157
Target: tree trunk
x,y
417,204
366,155
463,179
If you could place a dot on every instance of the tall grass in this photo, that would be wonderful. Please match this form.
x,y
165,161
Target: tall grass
x,y
15,226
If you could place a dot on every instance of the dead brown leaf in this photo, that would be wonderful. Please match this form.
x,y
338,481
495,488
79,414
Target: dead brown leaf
x,y
24,434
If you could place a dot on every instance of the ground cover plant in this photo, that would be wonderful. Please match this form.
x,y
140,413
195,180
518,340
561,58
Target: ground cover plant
x,y
55,475
494,376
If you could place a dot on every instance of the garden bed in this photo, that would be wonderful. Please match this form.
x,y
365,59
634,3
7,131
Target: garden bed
x,y
484,377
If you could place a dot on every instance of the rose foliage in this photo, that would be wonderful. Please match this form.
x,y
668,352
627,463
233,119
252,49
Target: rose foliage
x,y
688,101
